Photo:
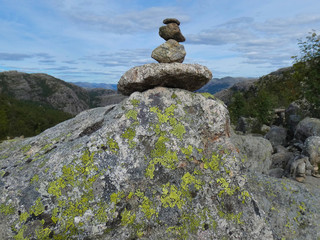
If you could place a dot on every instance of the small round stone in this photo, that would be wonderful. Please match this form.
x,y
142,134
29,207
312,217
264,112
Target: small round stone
x,y
171,20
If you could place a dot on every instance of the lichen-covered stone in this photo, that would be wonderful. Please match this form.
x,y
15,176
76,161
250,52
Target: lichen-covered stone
x,y
157,166
175,75
160,165
169,52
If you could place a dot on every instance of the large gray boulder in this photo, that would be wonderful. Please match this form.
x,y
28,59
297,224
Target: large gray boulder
x,y
160,165
306,128
169,52
255,151
295,112
277,136
175,75
312,150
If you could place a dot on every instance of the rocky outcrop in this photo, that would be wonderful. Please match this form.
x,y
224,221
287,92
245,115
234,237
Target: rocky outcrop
x,y
159,165
175,75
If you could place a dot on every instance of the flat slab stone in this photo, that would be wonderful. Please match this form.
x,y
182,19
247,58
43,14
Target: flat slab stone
x,y
190,77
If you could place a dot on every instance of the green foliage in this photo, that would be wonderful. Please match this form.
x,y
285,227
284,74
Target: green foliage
x,y
307,70
26,118
281,88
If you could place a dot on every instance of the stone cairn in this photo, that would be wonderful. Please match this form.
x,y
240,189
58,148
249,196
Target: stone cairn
x,y
171,51
169,71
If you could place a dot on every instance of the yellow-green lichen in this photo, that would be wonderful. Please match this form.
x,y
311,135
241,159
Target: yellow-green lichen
x,y
34,179
23,217
113,145
178,130
26,148
189,179
127,218
37,208
129,134
171,196
208,95
213,163
43,234
132,114
236,218
187,151
7,209
147,205
116,197
135,102
226,188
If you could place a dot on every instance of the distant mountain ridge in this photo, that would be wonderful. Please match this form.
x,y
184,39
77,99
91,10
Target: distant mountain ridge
x,y
96,85
31,103
45,89
218,84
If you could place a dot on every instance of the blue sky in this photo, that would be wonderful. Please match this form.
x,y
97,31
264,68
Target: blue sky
x,y
98,40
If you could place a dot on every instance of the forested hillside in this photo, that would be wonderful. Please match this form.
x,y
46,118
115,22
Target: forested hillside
x,y
26,118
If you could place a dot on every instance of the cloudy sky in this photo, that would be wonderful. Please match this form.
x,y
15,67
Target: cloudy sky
x,y
98,40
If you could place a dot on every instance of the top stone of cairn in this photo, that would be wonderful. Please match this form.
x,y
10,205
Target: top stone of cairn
x,y
171,20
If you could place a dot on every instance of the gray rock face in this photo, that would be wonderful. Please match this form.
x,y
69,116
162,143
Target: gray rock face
x,y
175,75
160,165
277,136
281,159
301,219
312,150
171,31
294,113
256,152
169,52
306,128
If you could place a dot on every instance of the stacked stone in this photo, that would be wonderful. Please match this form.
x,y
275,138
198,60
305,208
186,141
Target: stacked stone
x,y
170,71
171,51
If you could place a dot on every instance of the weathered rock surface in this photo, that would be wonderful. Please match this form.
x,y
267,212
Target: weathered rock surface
x,y
281,159
306,128
169,52
277,136
291,209
255,151
312,150
174,75
159,165
171,31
